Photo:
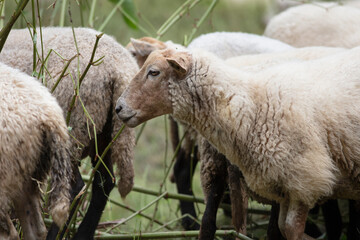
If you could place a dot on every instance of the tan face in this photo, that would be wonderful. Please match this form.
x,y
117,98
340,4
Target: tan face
x,y
147,95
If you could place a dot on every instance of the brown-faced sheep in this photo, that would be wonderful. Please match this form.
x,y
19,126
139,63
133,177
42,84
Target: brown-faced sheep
x,y
34,141
99,90
293,129
225,45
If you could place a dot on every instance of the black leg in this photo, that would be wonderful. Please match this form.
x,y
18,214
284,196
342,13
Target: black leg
x,y
332,217
101,188
76,187
183,172
311,228
354,220
214,176
273,231
213,199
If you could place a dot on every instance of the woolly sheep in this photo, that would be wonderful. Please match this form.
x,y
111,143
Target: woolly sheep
x,y
34,140
323,24
231,44
224,44
211,167
294,139
99,91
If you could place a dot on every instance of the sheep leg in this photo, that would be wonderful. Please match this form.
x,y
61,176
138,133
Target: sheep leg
x,y
273,231
333,222
101,188
7,229
183,172
354,220
76,185
213,199
214,174
284,206
28,210
295,220
239,199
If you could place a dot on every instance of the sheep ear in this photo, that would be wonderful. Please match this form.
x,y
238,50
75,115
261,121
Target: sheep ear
x,y
179,65
142,48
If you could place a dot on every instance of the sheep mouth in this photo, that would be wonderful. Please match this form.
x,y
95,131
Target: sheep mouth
x,y
126,119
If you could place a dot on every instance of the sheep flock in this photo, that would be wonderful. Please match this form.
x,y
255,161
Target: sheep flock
x,y
274,118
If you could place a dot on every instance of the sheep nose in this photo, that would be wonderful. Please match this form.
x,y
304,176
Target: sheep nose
x,y
118,109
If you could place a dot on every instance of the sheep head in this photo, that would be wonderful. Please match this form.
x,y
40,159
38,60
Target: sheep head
x,y
141,48
147,96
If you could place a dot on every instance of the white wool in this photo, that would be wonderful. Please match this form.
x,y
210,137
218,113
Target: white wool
x,y
325,24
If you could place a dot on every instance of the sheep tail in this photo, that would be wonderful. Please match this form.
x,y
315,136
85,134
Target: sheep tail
x,y
61,174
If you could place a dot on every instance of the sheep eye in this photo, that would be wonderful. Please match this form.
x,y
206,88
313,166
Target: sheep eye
x,y
153,73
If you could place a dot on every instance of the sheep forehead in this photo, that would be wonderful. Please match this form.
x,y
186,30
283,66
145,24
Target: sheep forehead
x,y
158,58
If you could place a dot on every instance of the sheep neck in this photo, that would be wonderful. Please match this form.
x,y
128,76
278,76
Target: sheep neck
x,y
206,100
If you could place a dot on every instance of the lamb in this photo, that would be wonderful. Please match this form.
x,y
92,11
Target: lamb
x,y
99,91
294,139
34,141
323,24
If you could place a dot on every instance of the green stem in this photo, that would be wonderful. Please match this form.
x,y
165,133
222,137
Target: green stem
x,y
92,12
166,176
175,220
62,13
34,38
134,22
188,198
174,15
6,30
171,235
72,103
62,74
156,200
111,14
174,18
2,11
140,214
140,132
202,19
41,71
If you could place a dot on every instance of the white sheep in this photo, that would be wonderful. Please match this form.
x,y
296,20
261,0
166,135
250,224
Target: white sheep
x,y
293,129
223,44
258,62
231,44
34,141
325,24
99,91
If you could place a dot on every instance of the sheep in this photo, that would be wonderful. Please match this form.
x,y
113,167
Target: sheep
x,y
232,44
99,91
294,139
323,24
34,141
224,44
211,170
